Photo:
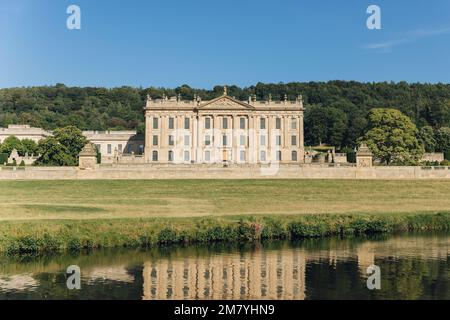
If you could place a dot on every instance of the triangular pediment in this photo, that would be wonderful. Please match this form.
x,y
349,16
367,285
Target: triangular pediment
x,y
225,103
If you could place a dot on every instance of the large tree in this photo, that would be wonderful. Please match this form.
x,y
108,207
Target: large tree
x,y
392,137
10,143
63,148
443,139
427,137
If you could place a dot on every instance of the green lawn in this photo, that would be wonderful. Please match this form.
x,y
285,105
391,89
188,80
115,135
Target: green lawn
x,y
26,200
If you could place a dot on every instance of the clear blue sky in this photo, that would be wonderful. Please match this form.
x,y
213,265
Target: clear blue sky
x,y
208,42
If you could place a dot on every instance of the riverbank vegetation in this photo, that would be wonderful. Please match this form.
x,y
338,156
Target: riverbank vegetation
x,y
31,237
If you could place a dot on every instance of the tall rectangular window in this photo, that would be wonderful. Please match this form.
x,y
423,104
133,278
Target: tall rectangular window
x,y
120,147
155,123
207,155
262,156
242,155
208,123
171,140
262,141
262,123
207,140
242,139
186,123
242,123
187,156
155,140
293,123
224,140
224,123
278,123
171,123
187,140
109,149
293,140
278,140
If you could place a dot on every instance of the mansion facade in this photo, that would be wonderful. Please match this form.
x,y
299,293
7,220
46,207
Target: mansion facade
x,y
224,130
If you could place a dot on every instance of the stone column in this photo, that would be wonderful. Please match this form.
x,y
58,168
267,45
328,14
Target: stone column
x,y
194,134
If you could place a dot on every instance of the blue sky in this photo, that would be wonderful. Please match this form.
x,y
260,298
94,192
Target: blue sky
x,y
205,43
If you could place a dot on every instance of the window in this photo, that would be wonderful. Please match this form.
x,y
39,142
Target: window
x,y
186,156
207,156
171,123
186,140
242,123
155,156
293,140
278,140
262,123
242,140
294,155
224,123
155,123
155,140
224,140
278,123
262,156
120,147
170,158
186,123
141,149
207,140
262,141
278,155
171,140
242,155
109,149
293,123
207,123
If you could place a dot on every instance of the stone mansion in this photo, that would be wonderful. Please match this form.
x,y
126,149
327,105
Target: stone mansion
x,y
224,130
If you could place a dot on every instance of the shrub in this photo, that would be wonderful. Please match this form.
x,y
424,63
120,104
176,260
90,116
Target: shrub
x,y
22,164
351,157
307,230
447,155
3,158
167,236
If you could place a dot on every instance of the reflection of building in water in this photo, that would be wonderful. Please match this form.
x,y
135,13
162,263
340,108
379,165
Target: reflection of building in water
x,y
256,275
20,282
116,273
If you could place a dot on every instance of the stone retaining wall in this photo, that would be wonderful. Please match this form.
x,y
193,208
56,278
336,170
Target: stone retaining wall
x,y
211,172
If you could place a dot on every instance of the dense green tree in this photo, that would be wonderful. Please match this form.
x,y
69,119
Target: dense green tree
x,y
63,148
53,153
426,135
72,138
29,146
443,139
393,137
10,143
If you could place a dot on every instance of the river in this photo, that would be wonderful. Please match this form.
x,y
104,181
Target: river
x,y
412,266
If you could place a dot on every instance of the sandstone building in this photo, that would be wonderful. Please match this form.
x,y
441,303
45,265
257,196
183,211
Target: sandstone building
x,y
23,132
224,130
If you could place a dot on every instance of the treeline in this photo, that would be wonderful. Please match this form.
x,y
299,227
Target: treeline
x,y
336,111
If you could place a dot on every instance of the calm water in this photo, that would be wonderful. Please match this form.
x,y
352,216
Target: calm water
x,y
412,267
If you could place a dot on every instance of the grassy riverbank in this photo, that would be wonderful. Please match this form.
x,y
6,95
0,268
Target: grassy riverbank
x,y
57,215
38,236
